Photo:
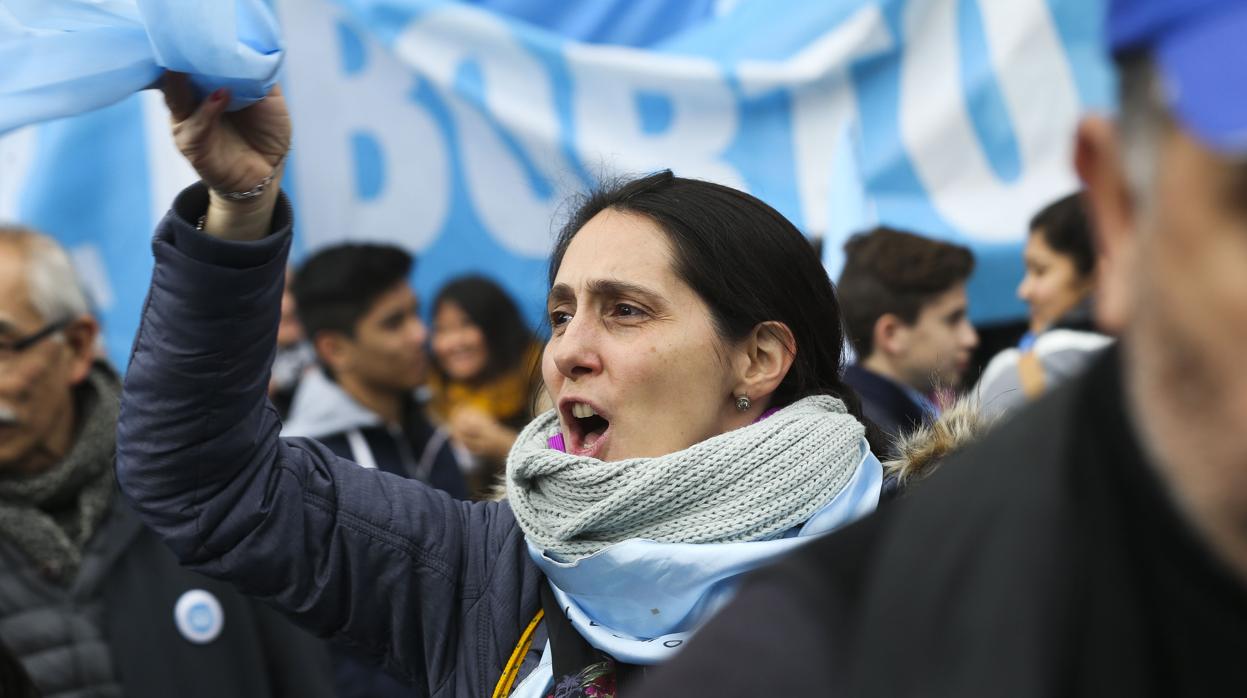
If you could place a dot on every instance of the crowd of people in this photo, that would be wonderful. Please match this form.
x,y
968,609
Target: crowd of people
x,y
713,471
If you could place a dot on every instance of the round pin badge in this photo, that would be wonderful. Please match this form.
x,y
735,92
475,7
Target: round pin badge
x,y
199,616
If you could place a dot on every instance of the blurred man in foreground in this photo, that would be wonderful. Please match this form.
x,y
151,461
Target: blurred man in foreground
x,y
1096,544
91,603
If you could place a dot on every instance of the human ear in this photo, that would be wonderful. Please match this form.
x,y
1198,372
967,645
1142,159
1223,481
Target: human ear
x,y
80,336
769,351
890,335
1114,212
334,349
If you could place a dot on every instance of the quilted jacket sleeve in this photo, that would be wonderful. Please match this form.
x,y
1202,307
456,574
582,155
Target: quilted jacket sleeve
x,y
399,569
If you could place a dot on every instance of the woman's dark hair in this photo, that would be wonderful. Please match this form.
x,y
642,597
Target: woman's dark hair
x,y
1064,226
507,339
747,262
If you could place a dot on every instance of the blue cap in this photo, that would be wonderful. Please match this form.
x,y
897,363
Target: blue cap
x,y
1200,51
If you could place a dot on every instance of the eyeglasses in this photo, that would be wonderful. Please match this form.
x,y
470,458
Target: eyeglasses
x,y
11,348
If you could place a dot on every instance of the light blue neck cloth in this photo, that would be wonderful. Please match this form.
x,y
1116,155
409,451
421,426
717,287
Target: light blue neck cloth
x,y
67,57
639,601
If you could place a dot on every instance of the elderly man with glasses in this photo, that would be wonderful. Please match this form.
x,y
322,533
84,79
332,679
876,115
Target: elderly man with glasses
x,y
90,602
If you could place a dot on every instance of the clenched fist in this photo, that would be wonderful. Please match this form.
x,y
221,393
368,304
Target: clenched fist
x,y
231,152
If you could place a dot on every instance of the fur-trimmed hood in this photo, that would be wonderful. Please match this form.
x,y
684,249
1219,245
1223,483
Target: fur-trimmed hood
x,y
922,450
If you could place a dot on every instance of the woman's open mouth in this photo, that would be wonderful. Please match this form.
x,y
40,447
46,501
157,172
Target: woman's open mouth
x,y
588,430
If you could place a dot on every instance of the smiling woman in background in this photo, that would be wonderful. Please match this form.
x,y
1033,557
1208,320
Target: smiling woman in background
x,y
1058,289
1060,264
701,428
484,365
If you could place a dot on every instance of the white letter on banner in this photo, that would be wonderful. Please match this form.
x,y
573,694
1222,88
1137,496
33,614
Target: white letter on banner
x,y
516,92
1039,95
361,121
824,102
700,124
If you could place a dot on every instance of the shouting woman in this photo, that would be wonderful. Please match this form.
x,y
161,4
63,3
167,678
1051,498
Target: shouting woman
x,y
700,428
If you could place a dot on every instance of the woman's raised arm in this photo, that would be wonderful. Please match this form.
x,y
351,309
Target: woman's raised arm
x,y
402,570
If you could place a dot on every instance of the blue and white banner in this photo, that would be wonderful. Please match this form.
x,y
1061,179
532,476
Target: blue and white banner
x,y
458,129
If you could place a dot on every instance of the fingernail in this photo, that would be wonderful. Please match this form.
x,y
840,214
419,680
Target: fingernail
x,y
218,95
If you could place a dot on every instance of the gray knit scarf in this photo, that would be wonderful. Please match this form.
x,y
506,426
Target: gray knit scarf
x,y
50,516
752,483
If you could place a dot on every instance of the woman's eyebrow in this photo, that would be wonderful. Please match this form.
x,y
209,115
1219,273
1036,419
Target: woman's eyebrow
x,y
609,288
560,293
614,287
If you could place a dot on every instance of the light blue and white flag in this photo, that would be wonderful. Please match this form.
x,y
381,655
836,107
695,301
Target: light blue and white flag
x,y
458,129
66,57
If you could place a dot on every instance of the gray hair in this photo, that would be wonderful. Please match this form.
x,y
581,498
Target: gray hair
x,y
55,290
1142,120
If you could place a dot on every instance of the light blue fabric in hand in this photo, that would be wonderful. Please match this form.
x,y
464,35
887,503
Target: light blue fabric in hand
x,y
65,57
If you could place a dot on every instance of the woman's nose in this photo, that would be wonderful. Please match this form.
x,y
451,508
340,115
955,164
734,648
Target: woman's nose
x,y
1024,288
969,336
576,348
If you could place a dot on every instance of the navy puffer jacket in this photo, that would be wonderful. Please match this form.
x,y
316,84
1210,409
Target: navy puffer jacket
x,y
437,589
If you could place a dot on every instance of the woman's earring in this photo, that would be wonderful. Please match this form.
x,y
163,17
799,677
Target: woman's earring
x,y
742,403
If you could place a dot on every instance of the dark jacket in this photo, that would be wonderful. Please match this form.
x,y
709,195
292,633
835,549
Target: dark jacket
x,y
1047,560
14,681
119,617
322,410
130,585
886,404
436,589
